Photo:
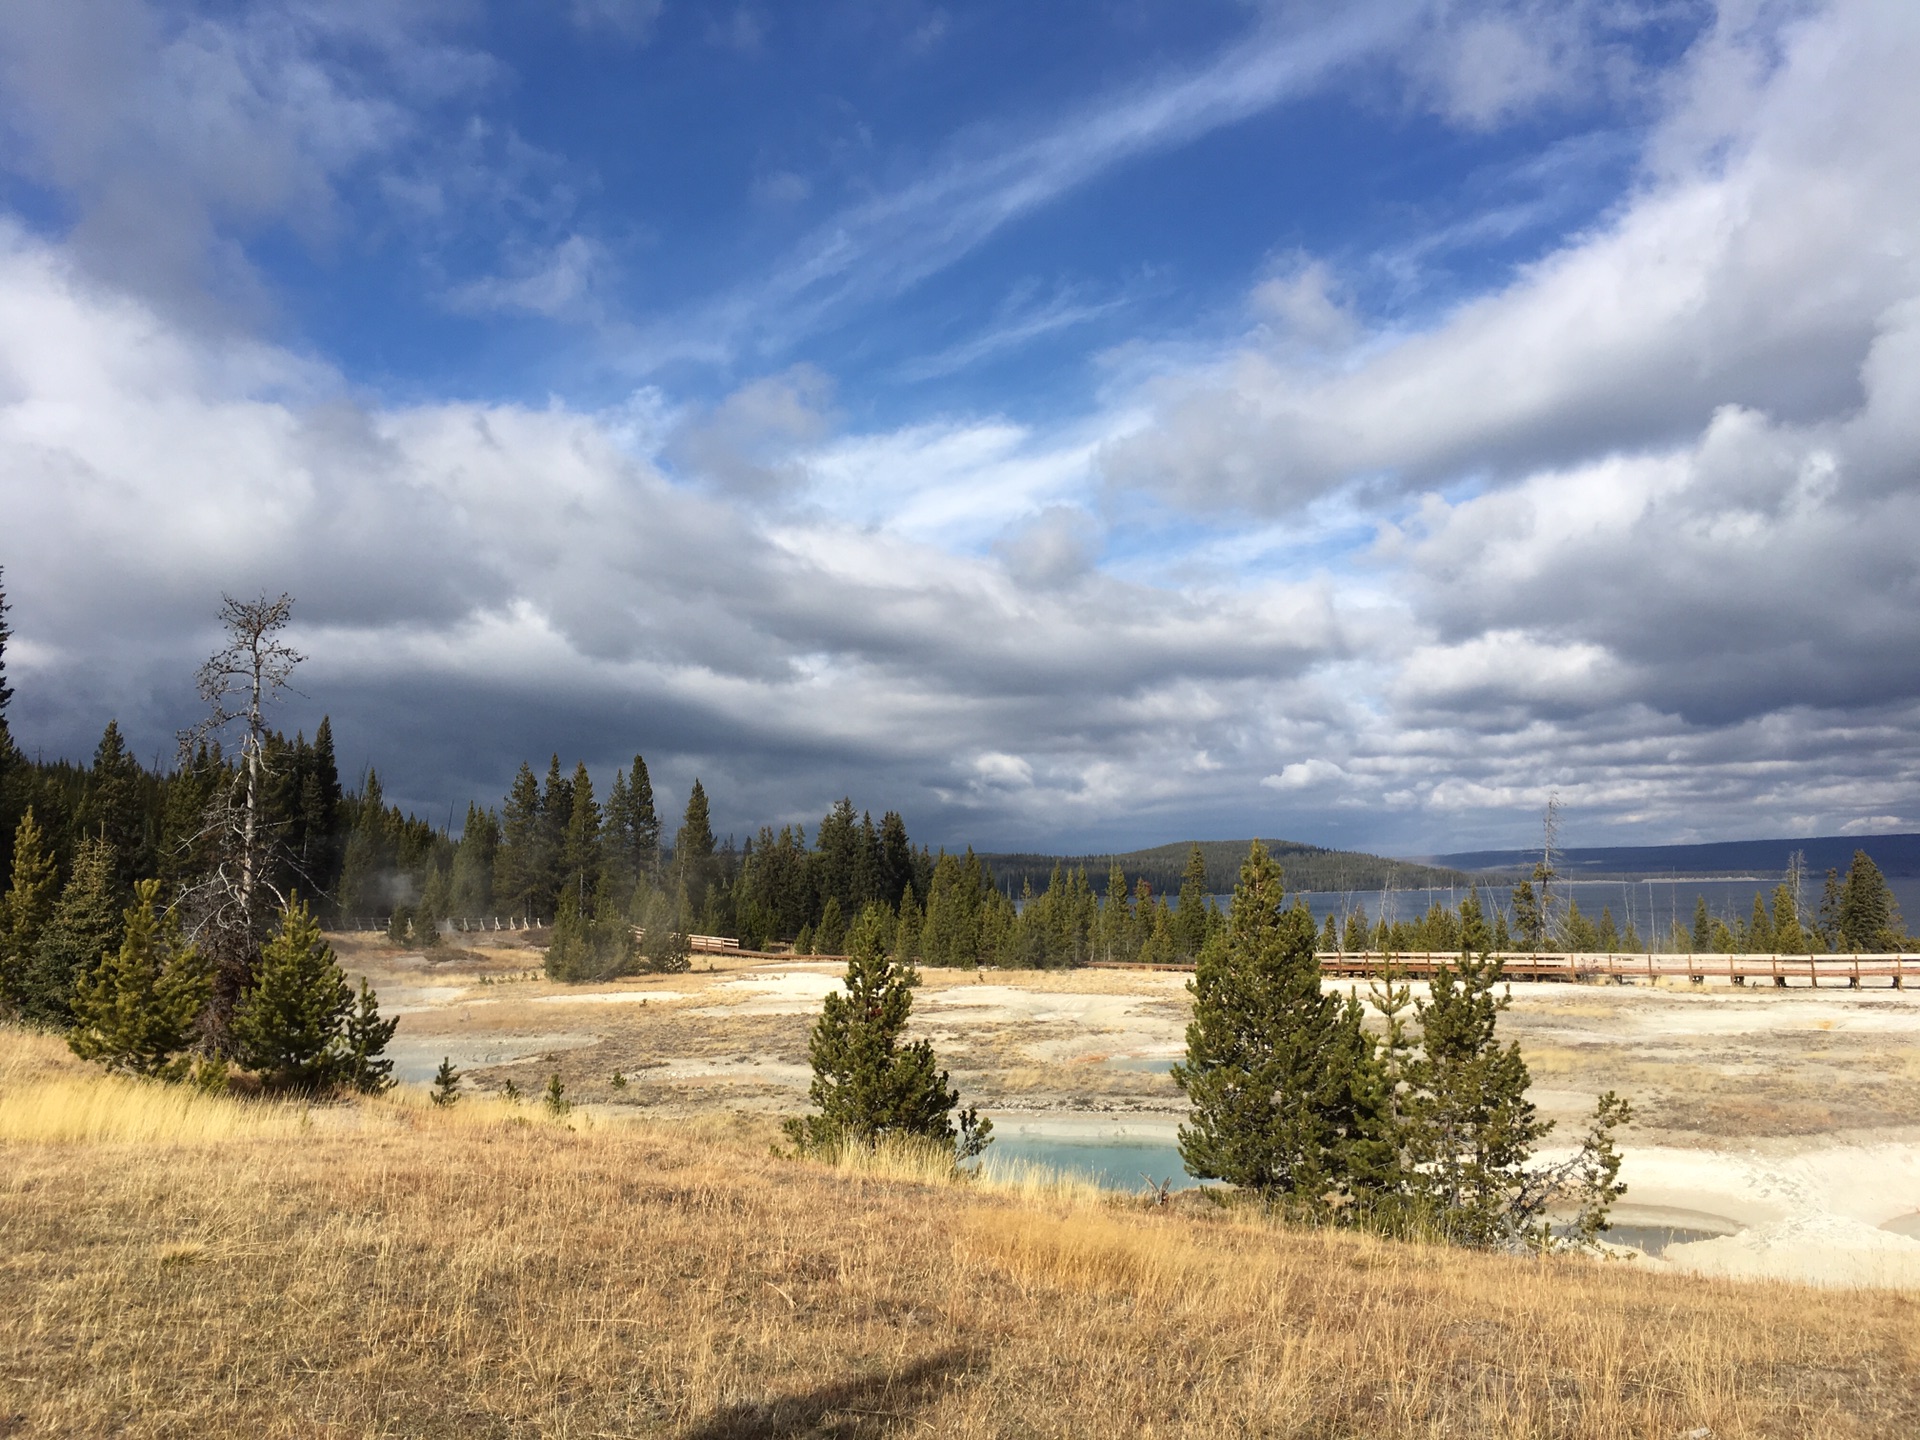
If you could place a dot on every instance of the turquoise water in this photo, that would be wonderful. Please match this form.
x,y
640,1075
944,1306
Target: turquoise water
x,y
1135,1156
1114,1155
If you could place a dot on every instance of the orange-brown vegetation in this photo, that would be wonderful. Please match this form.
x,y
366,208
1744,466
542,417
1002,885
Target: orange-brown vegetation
x,y
387,1268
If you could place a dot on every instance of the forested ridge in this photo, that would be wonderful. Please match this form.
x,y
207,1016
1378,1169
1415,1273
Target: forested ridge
x,y
1163,867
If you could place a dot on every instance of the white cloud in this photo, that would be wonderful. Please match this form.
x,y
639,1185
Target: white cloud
x,y
174,132
555,283
1756,269
630,20
885,245
516,578
781,188
1305,775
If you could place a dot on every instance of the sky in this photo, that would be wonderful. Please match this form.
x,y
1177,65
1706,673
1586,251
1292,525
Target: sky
x,y
1074,426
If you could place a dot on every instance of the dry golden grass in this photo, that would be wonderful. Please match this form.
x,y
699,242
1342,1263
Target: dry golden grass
x,y
399,1270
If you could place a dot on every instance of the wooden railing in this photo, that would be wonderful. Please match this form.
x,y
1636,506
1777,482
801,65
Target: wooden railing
x,y
1851,972
456,925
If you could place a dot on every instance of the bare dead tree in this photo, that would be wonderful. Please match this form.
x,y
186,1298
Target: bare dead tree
x,y
228,908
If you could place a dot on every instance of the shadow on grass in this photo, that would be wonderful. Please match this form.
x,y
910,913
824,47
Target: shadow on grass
x,y
860,1407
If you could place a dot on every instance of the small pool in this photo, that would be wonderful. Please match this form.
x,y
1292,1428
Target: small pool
x,y
1117,1154
1654,1239
416,1057
1143,1064
1651,1229
1907,1225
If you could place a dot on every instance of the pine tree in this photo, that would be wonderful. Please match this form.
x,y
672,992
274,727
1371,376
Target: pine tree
x,y
555,1097
136,1012
1580,936
290,1025
1288,1096
835,859
1828,932
26,910
1329,937
83,928
367,872
1471,1128
1357,938
693,848
870,1084
446,1082
1116,917
646,822
1788,937
592,946
1529,917
580,856
1702,934
364,1043
556,813
569,954
948,937
323,845
1867,917
436,905
1474,937
632,826
831,937
113,808
1759,935
516,865
664,949
906,934
895,865
1190,918
470,887
1609,934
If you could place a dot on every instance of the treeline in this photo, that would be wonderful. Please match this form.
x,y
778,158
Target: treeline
x,y
1857,913
1164,868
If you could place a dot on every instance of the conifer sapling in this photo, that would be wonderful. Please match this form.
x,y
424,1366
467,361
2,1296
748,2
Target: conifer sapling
x,y
446,1082
136,1012
868,1084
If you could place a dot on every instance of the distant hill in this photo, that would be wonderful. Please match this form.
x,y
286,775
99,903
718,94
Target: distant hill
x,y
1307,867
1896,855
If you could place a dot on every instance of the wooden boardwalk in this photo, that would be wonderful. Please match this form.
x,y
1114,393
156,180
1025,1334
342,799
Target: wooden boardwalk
x,y
1843,972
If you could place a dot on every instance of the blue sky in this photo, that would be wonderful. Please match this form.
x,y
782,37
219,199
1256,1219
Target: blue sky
x,y
1072,425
